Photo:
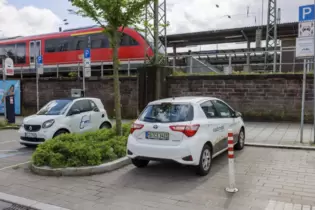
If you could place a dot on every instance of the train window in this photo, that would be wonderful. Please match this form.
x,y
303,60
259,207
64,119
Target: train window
x,y
99,41
21,53
50,45
9,50
127,40
2,51
79,43
63,45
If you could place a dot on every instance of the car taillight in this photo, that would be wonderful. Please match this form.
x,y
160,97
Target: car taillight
x,y
135,127
188,130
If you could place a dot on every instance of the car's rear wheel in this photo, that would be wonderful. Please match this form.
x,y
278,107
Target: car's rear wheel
x,y
140,163
105,125
205,161
241,140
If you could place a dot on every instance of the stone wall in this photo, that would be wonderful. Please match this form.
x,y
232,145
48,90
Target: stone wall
x,y
61,88
258,97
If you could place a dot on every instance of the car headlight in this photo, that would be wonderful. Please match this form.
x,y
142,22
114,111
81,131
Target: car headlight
x,y
48,123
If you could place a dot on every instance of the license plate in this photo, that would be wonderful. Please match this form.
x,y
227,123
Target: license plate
x,y
31,135
157,135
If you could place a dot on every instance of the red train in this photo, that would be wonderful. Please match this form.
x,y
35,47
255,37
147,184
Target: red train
x,y
65,49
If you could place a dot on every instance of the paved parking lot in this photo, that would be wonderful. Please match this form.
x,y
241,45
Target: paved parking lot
x,y
264,177
11,152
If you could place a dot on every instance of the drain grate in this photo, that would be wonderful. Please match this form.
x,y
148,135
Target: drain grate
x,y
17,207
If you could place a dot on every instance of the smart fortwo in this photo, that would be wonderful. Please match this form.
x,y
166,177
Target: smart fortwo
x,y
187,130
69,115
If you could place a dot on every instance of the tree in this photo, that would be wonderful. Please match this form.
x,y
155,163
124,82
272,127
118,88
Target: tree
x,y
113,16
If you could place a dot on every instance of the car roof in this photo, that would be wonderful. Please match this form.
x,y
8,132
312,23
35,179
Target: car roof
x,y
185,99
77,98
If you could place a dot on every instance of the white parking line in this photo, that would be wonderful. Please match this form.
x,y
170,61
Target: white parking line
x,y
12,166
4,142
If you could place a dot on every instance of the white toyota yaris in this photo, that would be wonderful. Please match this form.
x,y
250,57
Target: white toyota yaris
x,y
70,115
188,130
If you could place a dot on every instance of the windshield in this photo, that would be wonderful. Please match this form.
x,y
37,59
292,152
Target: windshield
x,y
56,107
168,112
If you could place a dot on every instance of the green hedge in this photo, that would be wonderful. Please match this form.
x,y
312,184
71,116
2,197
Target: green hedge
x,y
76,150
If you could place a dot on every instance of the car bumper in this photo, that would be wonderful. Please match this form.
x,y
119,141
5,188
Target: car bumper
x,y
181,153
34,138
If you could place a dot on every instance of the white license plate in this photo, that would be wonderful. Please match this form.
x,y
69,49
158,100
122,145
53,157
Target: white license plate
x,y
157,135
31,135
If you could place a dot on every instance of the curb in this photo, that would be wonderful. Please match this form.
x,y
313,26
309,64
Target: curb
x,y
280,146
81,171
10,128
35,205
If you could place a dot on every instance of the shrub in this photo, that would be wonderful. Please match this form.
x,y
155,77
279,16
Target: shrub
x,y
76,150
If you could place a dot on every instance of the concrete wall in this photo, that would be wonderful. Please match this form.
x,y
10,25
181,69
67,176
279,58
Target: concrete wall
x,y
258,97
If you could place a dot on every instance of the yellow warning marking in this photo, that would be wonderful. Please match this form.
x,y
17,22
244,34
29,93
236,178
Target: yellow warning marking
x,y
85,33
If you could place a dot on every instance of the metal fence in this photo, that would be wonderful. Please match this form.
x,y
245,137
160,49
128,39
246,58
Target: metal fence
x,y
238,61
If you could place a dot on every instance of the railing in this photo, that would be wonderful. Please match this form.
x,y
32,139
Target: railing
x,y
239,61
127,66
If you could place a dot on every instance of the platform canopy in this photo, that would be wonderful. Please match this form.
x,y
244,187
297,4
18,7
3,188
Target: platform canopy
x,y
285,30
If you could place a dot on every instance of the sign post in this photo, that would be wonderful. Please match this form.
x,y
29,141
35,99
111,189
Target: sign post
x,y
39,71
86,63
7,70
305,48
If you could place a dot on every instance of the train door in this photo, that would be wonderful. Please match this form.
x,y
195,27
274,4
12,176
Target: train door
x,y
35,50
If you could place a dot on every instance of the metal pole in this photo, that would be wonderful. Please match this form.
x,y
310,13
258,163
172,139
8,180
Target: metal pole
x,y
128,67
102,70
37,78
314,87
262,12
190,64
230,64
83,77
4,95
275,39
303,101
57,70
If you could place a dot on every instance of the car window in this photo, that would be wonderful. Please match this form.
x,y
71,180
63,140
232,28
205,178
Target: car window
x,y
94,106
209,110
167,112
222,108
82,105
55,107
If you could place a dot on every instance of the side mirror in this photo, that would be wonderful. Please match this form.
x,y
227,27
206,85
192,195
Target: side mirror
x,y
74,112
237,114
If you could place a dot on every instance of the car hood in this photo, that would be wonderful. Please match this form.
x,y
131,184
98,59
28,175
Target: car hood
x,y
39,119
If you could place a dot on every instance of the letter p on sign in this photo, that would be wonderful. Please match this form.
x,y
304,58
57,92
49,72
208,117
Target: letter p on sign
x,y
306,13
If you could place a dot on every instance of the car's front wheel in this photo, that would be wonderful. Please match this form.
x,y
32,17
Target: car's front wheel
x,y
205,161
241,140
140,163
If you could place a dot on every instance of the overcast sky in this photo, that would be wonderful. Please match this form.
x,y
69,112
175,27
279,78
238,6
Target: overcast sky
x,y
25,17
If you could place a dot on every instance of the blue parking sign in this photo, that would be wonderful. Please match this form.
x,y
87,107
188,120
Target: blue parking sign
x,y
40,59
87,53
306,13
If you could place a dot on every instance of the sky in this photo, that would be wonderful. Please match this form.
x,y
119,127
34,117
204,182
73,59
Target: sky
x,y
27,17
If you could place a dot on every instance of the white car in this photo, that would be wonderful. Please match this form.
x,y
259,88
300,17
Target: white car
x,y
187,130
69,115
